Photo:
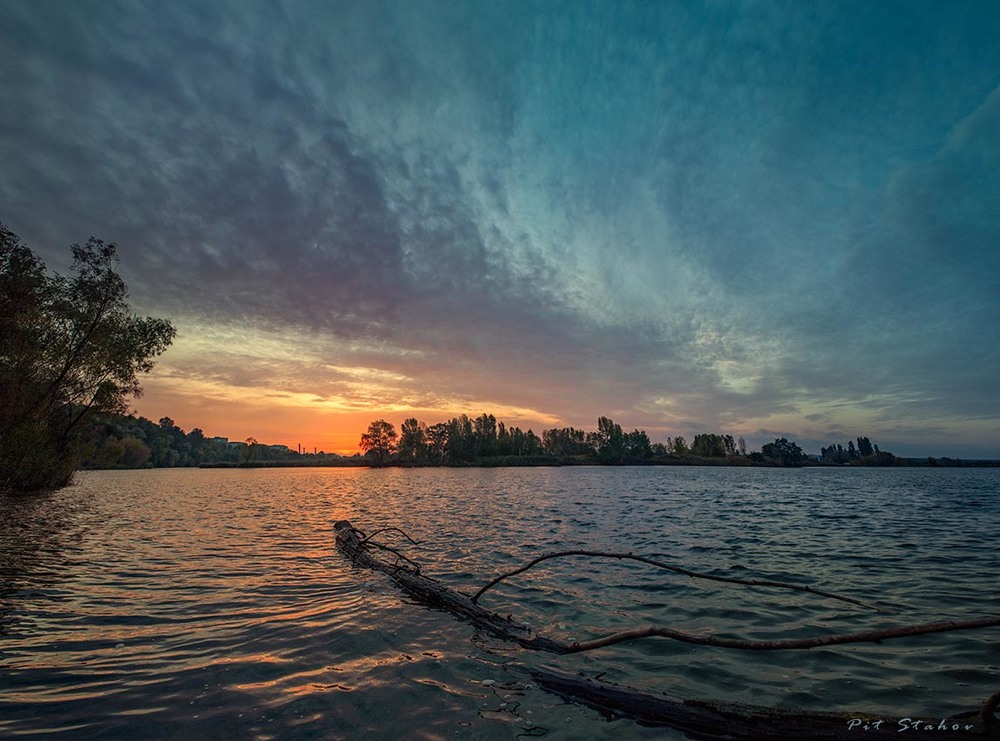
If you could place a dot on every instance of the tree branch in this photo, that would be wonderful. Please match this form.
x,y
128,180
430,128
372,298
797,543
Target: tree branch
x,y
869,636
680,570
366,538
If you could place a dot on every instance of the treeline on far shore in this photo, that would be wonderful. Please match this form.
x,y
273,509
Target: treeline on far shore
x,y
485,441
117,441
128,442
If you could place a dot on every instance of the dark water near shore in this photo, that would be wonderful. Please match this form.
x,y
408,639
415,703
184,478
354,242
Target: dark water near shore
x,y
211,604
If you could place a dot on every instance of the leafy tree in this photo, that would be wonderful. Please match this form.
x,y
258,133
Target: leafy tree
x,y
412,440
70,348
784,452
461,442
437,442
565,442
380,440
135,453
250,444
677,446
484,435
637,445
609,441
866,453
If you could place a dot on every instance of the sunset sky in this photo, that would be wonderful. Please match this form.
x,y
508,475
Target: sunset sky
x,y
757,218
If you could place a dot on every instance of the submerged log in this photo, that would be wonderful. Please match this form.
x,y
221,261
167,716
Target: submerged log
x,y
434,593
702,719
705,719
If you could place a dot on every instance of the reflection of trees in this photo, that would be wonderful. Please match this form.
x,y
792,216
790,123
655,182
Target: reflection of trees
x,y
33,541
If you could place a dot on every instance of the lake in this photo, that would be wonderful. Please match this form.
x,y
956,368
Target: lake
x,y
204,604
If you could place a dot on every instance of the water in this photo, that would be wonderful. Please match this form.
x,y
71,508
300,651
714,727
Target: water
x,y
211,604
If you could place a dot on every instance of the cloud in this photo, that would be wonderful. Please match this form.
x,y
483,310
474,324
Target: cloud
x,y
740,214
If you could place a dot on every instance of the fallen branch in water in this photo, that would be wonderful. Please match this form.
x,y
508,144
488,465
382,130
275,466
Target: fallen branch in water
x,y
708,719
432,591
678,570
704,718
366,538
870,636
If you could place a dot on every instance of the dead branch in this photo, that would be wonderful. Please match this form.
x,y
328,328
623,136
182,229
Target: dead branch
x,y
433,593
416,566
679,570
869,636
705,719
366,538
709,719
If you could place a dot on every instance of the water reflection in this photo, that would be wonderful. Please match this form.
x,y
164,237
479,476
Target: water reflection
x,y
212,602
39,538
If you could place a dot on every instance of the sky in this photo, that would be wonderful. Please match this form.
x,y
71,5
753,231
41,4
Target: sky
x,y
757,218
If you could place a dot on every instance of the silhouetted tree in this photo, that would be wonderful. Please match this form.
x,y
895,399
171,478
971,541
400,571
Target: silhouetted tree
x,y
437,442
380,440
609,441
567,441
677,446
461,443
484,436
412,440
248,451
785,452
637,445
70,348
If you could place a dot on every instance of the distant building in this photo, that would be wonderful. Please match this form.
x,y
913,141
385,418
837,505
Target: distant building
x,y
221,440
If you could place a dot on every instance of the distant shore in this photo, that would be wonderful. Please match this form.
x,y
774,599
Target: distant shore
x,y
553,462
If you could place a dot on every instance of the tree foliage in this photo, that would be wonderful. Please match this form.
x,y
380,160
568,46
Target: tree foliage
x,y
70,347
485,440
784,452
380,440
865,453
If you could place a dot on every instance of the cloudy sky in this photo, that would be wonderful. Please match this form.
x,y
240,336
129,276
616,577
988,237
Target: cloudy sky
x,y
761,218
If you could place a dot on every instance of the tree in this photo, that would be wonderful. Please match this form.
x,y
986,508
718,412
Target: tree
x,y
711,445
565,442
677,446
609,441
637,445
70,348
437,442
250,444
461,445
484,435
412,440
784,452
380,440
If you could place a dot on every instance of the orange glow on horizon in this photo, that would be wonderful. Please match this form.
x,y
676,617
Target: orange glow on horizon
x,y
331,425
314,430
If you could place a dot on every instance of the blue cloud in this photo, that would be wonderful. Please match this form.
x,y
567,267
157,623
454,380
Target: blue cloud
x,y
677,211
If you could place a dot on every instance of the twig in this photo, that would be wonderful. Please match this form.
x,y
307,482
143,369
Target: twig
x,y
410,561
831,640
385,530
680,570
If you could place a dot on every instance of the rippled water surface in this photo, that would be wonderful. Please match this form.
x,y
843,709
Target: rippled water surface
x,y
211,603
